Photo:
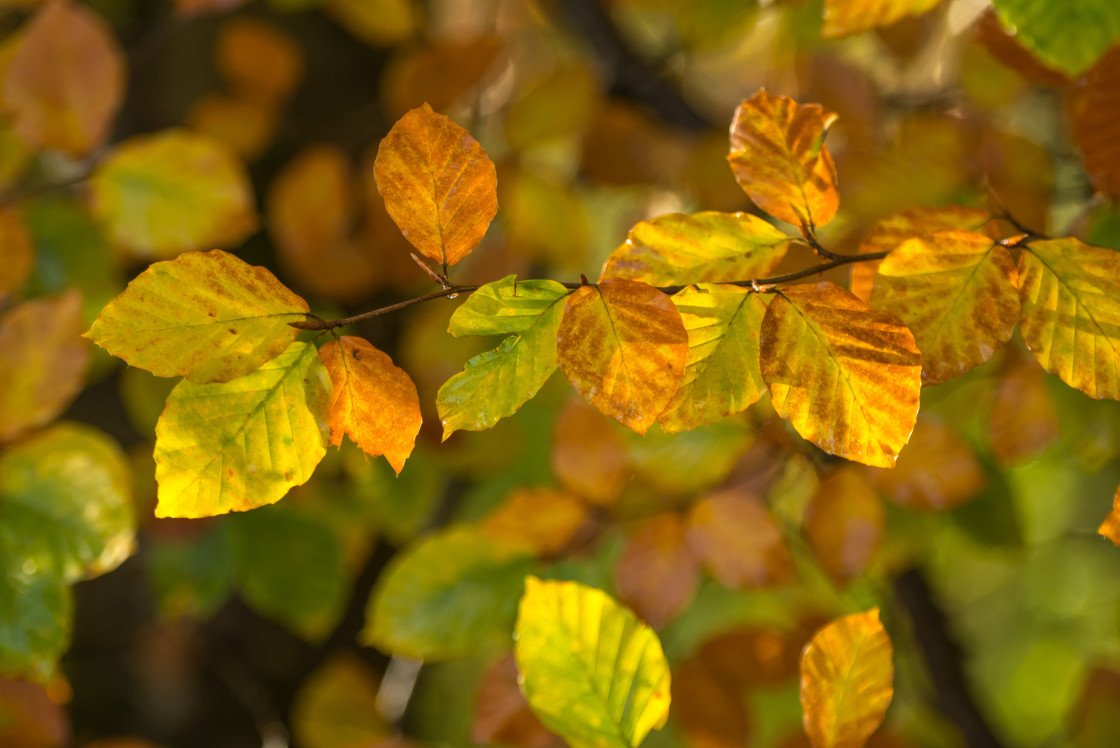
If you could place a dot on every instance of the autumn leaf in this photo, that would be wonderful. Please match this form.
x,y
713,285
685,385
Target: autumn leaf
x,y
241,444
376,22
1071,40
738,541
847,681
439,186
543,520
592,673
1110,528
336,706
438,73
588,457
258,60
1094,106
1023,420
245,126
710,711
846,376
31,718
623,346
657,573
845,523
844,17
374,402
779,158
937,473
502,715
698,248
19,252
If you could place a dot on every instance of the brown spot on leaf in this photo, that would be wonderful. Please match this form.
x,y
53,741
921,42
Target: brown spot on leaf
x,y
287,475
232,331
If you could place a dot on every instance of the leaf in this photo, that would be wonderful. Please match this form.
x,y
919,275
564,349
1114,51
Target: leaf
x,y
30,718
738,541
1023,420
623,346
709,710
66,79
1070,37
501,714
1094,106
258,60
779,158
19,252
172,191
242,444
495,384
376,22
1110,528
845,523
245,126
199,7
938,472
957,291
449,595
207,316
846,681
592,673
438,74
35,612
439,186
44,362
374,402
846,376
657,574
588,457
544,520
698,248
335,706
1070,294
846,17
721,375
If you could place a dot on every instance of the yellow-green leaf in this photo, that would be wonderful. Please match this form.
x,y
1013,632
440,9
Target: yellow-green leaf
x,y
623,346
439,185
844,17
162,194
779,158
847,681
957,291
699,248
1069,36
1070,294
592,673
207,316
846,376
505,306
242,444
35,614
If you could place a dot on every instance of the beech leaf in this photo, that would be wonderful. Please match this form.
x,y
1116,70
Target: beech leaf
x,y
657,573
939,472
1023,420
1070,37
1110,528
589,457
543,520
844,17
1094,107
738,541
845,522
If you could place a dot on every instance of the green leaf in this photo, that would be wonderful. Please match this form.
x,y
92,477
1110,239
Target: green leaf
x,y
35,613
242,444
1070,36
505,306
592,673
450,595
207,316
192,578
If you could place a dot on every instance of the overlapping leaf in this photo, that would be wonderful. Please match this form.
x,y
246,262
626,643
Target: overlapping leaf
x,y
698,248
846,376
374,402
780,160
1068,36
502,715
590,670
1070,295
242,444
207,316
623,346
657,573
939,472
844,17
738,541
844,523
847,681
957,292
439,186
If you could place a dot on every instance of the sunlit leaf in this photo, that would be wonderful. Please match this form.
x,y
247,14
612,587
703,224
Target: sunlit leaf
x,y
738,542
544,520
937,472
698,248
450,595
376,22
844,523
374,403
657,574
588,457
721,375
623,346
162,194
957,291
336,706
847,681
1094,106
505,306
439,186
846,376
1067,36
1070,295
780,160
1110,528
1023,420
66,79
844,17
590,670
207,316
502,715
242,444
258,60
19,252
1004,46
44,362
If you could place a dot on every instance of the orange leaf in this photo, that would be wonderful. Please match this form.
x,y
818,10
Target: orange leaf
x,y
502,715
711,713
738,541
1094,107
845,17
589,457
258,60
31,718
938,471
440,75
623,346
245,125
374,402
66,79
1110,528
657,574
439,186
779,158
847,681
19,252
844,523
544,519
1023,421
749,657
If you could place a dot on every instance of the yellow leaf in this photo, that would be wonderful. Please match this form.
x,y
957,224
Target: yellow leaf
x,y
779,158
543,519
846,376
258,60
844,523
844,17
166,193
439,186
374,403
847,681
207,316
623,346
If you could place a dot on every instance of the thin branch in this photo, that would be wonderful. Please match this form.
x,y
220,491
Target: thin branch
x,y
810,234
13,198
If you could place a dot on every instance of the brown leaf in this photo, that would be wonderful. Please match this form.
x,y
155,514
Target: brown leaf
x,y
374,402
501,714
1023,421
738,541
588,456
711,713
544,519
439,75
29,718
200,7
657,574
19,252
752,657
1006,48
1094,108
258,60
937,471
844,523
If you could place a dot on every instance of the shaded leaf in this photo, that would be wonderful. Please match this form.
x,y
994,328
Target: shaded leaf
x,y
698,248
376,22
247,127
779,158
751,657
847,681
590,670
844,523
710,711
258,60
35,612
818,341
28,717
1023,420
438,75
439,185
588,457
845,17
242,444
623,346
558,105
1070,37
502,715
1007,49
938,472
657,573
207,316
738,542
335,706
19,252
374,402
542,519
1094,106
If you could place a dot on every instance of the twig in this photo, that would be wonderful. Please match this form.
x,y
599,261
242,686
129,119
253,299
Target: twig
x,y
810,235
